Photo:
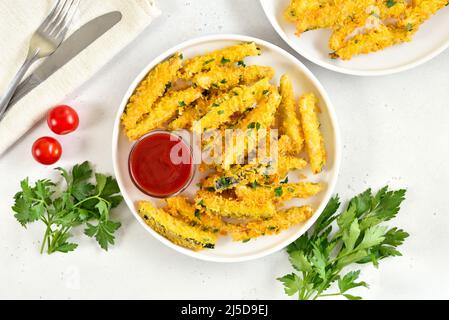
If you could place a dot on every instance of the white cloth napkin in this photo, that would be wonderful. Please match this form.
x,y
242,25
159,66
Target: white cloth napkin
x,y
20,18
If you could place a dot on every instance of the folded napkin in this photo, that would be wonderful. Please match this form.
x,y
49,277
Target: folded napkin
x,y
20,18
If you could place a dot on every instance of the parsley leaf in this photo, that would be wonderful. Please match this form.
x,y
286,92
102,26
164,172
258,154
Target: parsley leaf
x,y
80,202
321,255
278,191
224,60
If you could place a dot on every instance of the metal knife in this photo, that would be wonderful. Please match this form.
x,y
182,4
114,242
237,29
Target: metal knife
x,y
71,47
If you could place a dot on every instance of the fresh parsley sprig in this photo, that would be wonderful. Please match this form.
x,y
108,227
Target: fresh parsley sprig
x,y
81,202
321,255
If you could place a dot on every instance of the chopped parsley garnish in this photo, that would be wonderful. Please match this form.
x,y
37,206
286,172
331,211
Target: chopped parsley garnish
x,y
390,3
284,181
224,60
278,192
254,125
224,183
208,61
201,203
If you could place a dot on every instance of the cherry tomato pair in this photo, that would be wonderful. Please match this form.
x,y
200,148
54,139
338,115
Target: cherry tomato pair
x,y
61,120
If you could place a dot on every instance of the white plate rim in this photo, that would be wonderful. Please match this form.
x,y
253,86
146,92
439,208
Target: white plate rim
x,y
329,66
332,117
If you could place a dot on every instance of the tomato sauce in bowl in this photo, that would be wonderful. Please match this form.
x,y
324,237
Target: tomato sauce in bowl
x,y
161,164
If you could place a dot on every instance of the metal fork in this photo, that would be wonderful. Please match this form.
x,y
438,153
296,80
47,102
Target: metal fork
x,y
47,38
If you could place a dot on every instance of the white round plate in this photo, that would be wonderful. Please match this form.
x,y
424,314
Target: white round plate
x,y
431,39
304,81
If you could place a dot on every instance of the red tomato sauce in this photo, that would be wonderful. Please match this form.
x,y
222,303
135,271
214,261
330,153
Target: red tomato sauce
x,y
161,164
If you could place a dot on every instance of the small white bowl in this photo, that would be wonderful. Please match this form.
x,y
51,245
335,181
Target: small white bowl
x,y
304,81
431,39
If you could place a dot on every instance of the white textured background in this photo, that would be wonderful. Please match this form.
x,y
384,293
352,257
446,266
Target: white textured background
x,y
394,128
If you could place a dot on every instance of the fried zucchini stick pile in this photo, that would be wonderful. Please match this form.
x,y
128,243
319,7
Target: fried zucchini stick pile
x,y
241,200
362,26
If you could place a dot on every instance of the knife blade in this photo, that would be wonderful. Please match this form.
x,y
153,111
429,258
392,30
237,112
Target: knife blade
x,y
71,47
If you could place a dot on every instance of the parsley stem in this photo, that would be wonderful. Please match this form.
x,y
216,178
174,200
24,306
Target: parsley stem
x,y
44,241
59,234
91,198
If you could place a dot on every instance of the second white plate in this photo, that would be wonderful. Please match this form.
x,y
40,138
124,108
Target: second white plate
x,y
428,42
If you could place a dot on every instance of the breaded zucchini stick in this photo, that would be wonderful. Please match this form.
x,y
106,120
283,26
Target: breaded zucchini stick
x,y
223,57
409,19
282,192
181,207
195,112
420,11
237,175
262,116
311,127
376,39
149,90
298,8
254,174
324,17
164,110
259,118
286,164
231,208
238,100
290,124
176,230
283,220
228,77
285,145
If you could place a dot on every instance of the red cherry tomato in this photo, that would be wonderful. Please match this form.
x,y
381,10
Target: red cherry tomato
x,y
47,150
62,120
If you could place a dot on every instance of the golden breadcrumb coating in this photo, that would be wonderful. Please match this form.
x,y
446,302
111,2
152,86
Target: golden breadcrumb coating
x,y
286,164
285,146
231,208
227,77
313,139
194,112
164,110
375,40
149,90
176,230
238,100
283,220
181,207
278,193
224,56
363,26
261,117
290,124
